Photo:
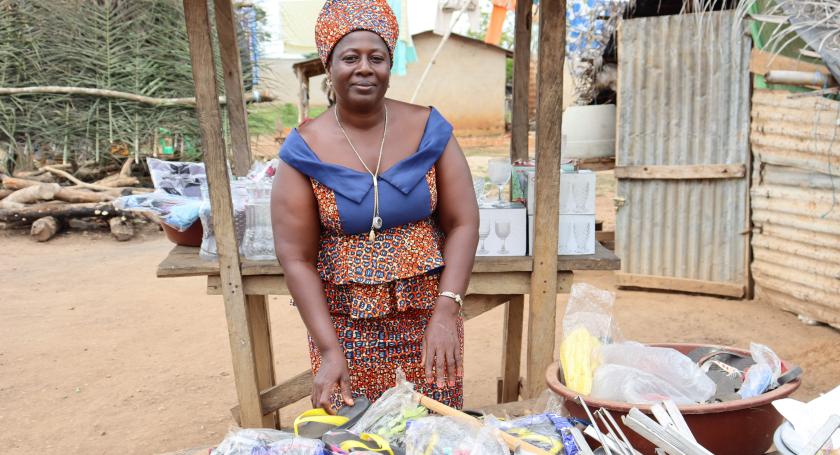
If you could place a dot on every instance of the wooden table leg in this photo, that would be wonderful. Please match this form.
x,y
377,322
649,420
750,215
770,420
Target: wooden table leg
x,y
540,346
512,348
260,326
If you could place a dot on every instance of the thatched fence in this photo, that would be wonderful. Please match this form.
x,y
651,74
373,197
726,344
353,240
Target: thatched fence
x,y
94,48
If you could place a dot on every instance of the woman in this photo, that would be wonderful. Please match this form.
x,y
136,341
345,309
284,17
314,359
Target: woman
x,y
372,198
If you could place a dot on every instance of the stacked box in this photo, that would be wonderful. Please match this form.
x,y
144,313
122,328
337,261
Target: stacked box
x,y
503,231
577,213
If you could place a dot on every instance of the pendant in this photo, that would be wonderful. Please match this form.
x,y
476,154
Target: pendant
x,y
372,236
377,223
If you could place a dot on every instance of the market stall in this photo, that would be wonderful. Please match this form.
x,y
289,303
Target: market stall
x,y
495,281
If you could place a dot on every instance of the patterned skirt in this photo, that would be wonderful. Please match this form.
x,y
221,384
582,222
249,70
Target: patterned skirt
x,y
375,347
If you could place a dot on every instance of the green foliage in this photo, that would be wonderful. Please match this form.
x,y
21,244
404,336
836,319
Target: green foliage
x,y
263,119
136,46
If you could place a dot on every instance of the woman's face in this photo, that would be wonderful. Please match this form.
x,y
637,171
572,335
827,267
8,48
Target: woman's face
x,y
360,68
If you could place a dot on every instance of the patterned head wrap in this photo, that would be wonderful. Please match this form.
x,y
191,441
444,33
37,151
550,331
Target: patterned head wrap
x,y
340,17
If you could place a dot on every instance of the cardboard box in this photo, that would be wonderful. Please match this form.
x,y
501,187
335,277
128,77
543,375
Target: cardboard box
x,y
503,231
576,235
577,193
519,181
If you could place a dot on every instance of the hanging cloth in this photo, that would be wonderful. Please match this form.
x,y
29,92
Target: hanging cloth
x,y
497,20
404,51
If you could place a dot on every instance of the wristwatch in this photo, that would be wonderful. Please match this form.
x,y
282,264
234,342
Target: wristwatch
x,y
456,297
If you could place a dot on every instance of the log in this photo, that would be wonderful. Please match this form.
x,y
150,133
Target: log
x,y
45,228
255,97
94,224
78,182
121,229
59,210
118,181
29,195
5,192
64,194
37,176
92,170
121,179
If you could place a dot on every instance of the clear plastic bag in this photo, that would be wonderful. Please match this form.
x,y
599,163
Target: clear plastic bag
x,y
261,441
176,177
263,170
178,212
448,436
764,375
632,385
592,309
587,324
258,243
686,382
392,413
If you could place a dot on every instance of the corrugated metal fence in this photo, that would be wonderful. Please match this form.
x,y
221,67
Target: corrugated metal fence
x,y
796,204
683,112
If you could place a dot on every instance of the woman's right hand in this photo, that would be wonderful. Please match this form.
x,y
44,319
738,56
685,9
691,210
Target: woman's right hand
x,y
333,372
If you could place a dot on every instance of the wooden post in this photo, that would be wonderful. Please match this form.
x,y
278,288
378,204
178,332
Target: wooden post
x,y
543,300
512,348
303,95
514,310
210,123
259,324
521,76
232,71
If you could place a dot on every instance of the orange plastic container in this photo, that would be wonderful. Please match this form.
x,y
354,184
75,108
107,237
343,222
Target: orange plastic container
x,y
740,427
190,237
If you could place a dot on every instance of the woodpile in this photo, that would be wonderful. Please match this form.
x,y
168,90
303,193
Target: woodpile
x,y
52,198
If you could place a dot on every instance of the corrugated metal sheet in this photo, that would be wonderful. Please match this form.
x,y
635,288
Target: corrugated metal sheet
x,y
684,100
796,204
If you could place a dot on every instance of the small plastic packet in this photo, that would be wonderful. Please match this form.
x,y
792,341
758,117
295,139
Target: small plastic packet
x,y
689,383
540,430
391,414
263,441
448,436
762,376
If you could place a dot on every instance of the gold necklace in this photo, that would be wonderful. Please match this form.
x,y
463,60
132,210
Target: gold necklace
x,y
376,222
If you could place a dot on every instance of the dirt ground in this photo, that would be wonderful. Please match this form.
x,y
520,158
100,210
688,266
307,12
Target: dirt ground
x,y
97,355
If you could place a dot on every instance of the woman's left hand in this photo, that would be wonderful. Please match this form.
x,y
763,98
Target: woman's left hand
x,y
442,346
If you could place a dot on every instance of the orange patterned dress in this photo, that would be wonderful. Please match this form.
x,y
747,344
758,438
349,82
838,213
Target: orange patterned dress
x,y
381,294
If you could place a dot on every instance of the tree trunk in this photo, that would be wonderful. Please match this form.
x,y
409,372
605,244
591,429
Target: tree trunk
x,y
121,229
59,210
45,228
30,194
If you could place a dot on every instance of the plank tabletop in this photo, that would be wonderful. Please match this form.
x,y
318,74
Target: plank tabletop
x,y
184,261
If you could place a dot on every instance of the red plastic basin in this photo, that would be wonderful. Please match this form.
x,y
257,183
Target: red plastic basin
x,y
741,427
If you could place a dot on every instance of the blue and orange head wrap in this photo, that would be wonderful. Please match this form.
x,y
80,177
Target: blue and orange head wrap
x,y
340,17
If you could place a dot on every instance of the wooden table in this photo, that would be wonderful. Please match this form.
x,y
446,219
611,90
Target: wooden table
x,y
494,281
